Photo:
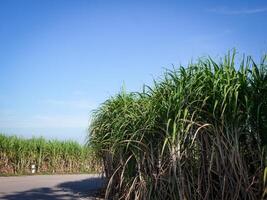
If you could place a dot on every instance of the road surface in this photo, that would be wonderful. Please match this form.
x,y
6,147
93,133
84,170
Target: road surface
x,y
50,187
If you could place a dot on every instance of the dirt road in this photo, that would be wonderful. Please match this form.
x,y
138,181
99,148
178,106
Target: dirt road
x,y
50,187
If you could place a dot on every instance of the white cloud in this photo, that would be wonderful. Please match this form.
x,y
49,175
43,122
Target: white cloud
x,y
46,121
76,104
76,116
79,93
60,121
241,11
7,112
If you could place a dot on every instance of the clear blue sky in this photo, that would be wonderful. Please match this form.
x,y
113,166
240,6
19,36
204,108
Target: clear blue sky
x,y
61,59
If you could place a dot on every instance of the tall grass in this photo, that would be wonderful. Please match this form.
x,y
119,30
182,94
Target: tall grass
x,y
18,154
198,133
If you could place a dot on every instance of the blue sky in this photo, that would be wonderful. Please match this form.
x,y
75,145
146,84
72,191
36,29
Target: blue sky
x,y
60,59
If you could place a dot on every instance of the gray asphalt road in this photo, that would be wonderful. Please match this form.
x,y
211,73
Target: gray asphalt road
x,y
50,187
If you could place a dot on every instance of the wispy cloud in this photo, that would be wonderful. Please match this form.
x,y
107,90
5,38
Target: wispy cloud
x,y
79,93
46,121
241,11
76,104
54,116
64,121
209,38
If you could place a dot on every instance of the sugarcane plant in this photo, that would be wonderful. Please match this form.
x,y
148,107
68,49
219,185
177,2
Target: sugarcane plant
x,y
17,154
200,132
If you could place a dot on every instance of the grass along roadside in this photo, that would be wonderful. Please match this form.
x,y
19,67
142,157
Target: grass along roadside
x,y
17,154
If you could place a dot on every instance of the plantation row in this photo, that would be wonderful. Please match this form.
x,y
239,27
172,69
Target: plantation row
x,y
199,132
18,154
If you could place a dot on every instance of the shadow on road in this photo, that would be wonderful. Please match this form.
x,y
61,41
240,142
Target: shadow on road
x,y
86,188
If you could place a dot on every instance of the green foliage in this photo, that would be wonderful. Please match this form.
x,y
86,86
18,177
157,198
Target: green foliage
x,y
198,133
18,154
